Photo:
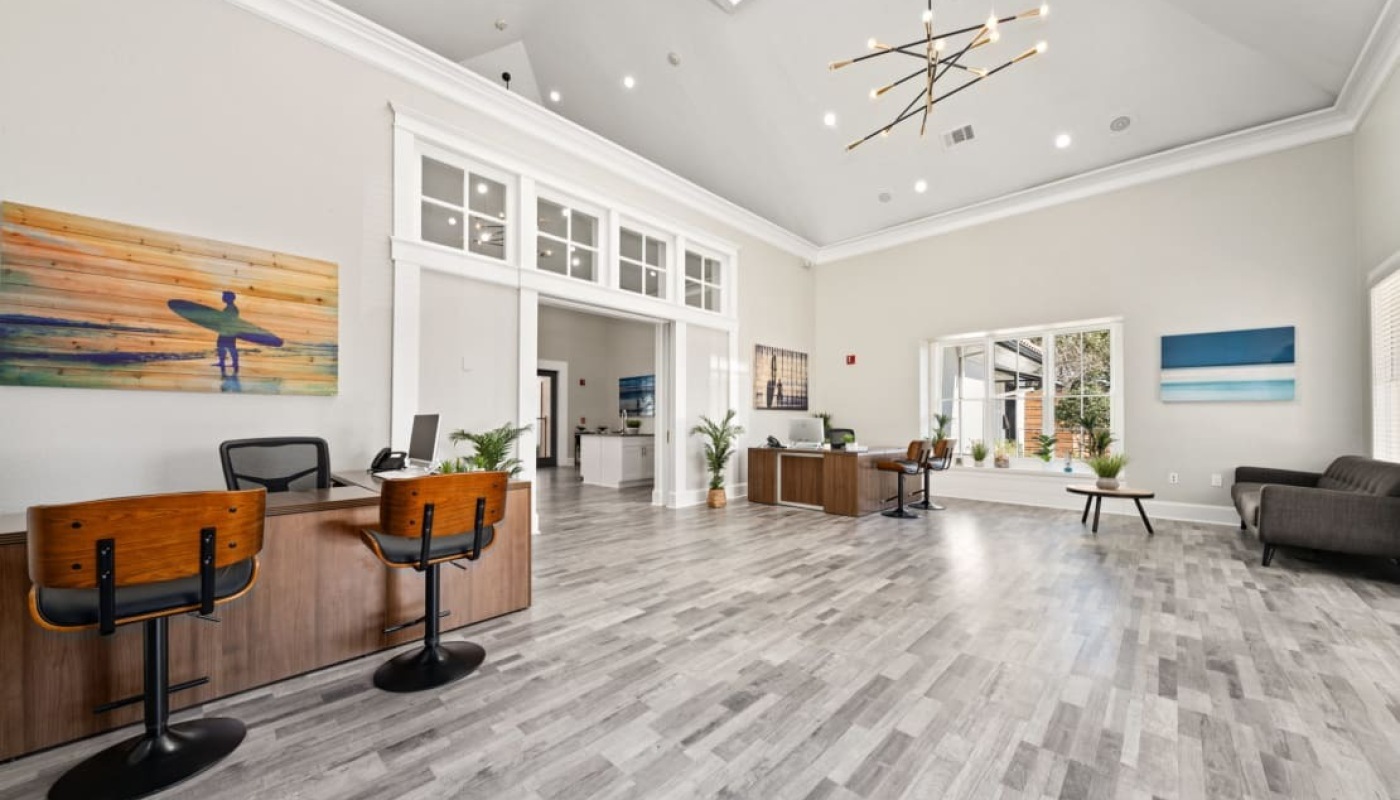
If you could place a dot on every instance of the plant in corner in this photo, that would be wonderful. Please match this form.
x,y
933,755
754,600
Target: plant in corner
x,y
979,452
1107,468
719,448
493,449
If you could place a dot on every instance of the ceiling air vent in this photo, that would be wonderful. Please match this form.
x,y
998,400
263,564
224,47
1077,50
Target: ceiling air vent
x,y
958,136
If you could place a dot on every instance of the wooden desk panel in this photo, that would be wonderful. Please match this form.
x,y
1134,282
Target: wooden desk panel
x,y
801,478
321,598
763,475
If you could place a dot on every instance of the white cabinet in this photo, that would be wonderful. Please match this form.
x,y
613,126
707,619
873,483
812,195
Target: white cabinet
x,y
617,461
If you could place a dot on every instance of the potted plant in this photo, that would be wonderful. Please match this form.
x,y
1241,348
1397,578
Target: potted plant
x,y
634,425
979,452
1004,451
1107,468
847,439
493,450
719,448
1045,448
942,423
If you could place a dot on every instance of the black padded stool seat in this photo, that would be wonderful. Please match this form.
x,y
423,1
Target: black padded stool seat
x,y
108,563
424,523
406,552
78,608
909,465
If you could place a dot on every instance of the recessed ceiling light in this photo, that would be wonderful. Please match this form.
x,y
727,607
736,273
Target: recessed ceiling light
x,y
829,119
885,197
1063,141
554,96
629,82
1120,123
921,186
452,221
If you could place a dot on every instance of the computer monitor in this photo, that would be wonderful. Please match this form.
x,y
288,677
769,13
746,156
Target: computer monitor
x,y
806,431
422,445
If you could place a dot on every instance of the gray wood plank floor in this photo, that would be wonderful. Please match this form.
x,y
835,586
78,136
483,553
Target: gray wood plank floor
x,y
757,652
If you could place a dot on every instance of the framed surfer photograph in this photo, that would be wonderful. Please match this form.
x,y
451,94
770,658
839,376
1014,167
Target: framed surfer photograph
x,y
779,379
95,304
636,396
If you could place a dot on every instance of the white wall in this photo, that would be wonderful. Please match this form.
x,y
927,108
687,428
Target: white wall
x,y
599,350
1264,242
1377,143
196,117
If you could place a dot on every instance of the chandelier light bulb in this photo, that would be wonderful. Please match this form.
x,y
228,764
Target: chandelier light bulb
x,y
928,16
940,45
992,22
885,132
874,94
872,43
1044,9
829,119
1041,47
994,37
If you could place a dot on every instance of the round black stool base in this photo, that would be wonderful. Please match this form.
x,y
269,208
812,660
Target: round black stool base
x,y
900,513
141,767
925,505
426,668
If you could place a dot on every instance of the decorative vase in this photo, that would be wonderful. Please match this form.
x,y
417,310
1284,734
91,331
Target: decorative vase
x,y
1002,462
1107,484
716,499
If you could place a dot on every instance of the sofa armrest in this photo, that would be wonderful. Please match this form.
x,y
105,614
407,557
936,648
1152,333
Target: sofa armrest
x,y
1325,519
1285,477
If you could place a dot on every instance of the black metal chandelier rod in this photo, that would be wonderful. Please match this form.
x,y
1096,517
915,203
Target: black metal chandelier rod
x,y
887,49
908,113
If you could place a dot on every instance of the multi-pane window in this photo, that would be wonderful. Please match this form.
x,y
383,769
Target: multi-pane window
x,y
641,265
1385,368
1013,389
463,209
567,241
702,281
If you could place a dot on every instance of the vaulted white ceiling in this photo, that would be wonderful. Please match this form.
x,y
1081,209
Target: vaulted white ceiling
x,y
742,114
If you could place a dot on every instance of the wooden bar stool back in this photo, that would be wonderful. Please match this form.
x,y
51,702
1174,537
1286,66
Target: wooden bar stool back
x,y
107,563
912,462
425,523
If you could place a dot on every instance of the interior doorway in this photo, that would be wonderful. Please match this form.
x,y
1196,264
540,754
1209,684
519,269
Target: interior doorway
x,y
547,421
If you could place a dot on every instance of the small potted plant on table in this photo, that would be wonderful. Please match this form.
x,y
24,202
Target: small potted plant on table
x,y
719,448
1107,468
979,452
493,451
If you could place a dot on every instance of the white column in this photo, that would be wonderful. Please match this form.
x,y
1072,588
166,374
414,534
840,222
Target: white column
x,y
681,431
403,391
528,395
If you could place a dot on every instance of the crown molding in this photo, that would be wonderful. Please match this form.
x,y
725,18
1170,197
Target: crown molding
x,y
349,33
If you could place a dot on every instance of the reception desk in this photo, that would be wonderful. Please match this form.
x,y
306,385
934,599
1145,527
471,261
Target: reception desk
x,y
834,481
321,598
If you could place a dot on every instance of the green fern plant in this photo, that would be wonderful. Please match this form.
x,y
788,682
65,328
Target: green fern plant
x,y
942,424
979,451
1107,466
719,444
1046,448
493,449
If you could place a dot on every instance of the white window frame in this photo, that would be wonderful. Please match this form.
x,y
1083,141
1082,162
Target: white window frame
x,y
666,279
988,339
600,248
705,254
470,168
1384,329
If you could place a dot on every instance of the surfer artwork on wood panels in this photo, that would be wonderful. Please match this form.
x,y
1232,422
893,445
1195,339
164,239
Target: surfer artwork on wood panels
x,y
95,304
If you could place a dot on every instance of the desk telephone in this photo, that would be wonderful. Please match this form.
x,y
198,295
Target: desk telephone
x,y
773,442
388,460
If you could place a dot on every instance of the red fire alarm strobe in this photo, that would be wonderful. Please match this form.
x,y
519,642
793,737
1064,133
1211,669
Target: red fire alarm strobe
x,y
850,360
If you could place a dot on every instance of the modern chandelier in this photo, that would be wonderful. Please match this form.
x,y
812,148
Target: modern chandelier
x,y
930,49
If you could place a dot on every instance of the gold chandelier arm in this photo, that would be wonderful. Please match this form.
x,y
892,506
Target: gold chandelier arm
x,y
887,49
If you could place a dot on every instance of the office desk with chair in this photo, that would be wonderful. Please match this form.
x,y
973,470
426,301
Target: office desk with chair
x,y
834,481
322,597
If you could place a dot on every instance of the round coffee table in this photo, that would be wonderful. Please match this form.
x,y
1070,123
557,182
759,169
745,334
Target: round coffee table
x,y
1094,496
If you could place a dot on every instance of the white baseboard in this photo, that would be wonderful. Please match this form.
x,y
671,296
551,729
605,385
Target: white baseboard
x,y
1047,490
696,497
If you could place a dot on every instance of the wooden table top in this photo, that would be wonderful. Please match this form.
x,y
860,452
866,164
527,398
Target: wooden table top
x,y
1121,491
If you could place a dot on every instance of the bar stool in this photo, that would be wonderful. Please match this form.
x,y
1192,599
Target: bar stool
x,y
909,465
423,524
106,563
939,459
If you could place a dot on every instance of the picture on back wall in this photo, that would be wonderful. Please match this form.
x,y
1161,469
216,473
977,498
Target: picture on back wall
x,y
636,396
779,379
1230,366
101,305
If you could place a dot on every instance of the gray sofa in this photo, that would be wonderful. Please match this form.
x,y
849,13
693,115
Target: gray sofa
x,y
1353,507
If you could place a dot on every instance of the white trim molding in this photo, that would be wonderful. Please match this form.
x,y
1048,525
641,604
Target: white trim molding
x,y
349,33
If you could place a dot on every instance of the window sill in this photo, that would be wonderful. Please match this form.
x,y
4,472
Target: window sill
x,y
1057,470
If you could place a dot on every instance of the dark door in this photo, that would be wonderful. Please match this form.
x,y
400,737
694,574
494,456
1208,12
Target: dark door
x,y
548,419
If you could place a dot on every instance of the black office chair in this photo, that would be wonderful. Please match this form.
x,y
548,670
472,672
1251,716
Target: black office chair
x,y
108,563
837,437
278,464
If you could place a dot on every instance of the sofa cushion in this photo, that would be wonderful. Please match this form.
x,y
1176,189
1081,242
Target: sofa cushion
x,y
1363,475
1246,497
